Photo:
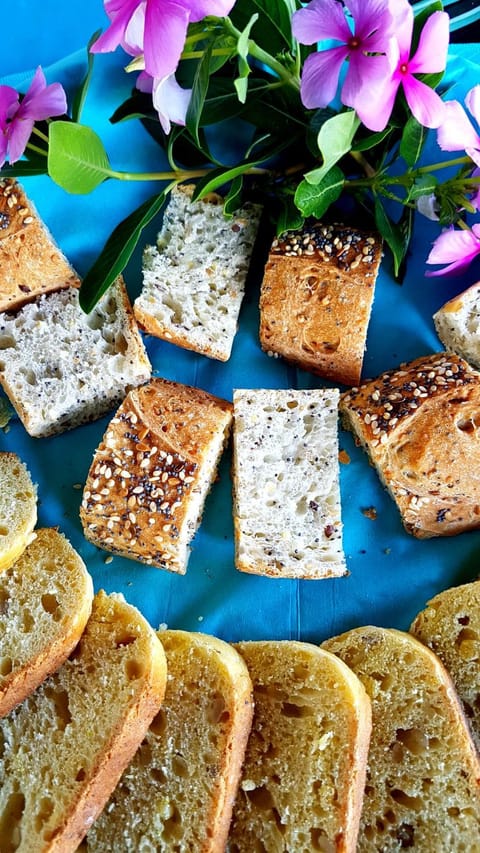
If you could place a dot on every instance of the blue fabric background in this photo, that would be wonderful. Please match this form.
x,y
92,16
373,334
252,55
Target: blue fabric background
x,y
391,574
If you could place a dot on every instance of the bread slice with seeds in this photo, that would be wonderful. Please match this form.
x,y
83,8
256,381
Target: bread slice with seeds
x,y
458,323
65,747
18,508
418,424
450,626
194,278
30,261
286,483
61,367
178,792
304,771
150,475
45,601
316,298
423,777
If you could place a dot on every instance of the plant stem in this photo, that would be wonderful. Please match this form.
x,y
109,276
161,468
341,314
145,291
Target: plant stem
x,y
40,134
264,57
37,149
175,175
457,161
363,162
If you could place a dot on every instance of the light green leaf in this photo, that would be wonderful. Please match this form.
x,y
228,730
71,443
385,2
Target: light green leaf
x,y
334,141
77,160
424,185
243,66
81,93
315,199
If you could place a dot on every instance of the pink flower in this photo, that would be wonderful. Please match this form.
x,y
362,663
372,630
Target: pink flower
x,y
456,132
18,118
325,19
156,28
169,99
455,248
374,104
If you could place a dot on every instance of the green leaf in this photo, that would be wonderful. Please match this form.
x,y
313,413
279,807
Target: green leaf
x,y
315,199
289,218
81,93
274,26
423,185
6,412
371,140
233,198
77,160
199,93
392,234
334,141
243,65
118,250
419,21
412,142
24,168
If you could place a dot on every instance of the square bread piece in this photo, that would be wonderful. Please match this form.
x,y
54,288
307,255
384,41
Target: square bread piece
x,y
458,324
61,367
286,484
316,298
194,279
30,261
150,476
419,425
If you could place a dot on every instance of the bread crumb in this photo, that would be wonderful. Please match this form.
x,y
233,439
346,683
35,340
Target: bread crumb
x,y
370,512
343,457
77,486
108,559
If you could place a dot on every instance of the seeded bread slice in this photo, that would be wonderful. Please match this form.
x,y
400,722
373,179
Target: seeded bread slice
x,y
286,483
61,367
423,777
45,601
18,508
450,626
194,279
178,792
150,475
304,771
30,261
458,323
418,424
66,746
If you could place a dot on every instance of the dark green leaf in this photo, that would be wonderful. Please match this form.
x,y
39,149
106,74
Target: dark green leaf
x,y
419,21
199,93
77,160
139,105
233,198
289,218
432,80
81,93
118,250
412,142
315,199
371,140
424,185
24,168
274,25
392,234
334,141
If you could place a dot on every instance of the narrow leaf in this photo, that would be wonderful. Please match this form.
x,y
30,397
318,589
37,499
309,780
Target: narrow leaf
x,y
233,199
240,83
77,160
289,218
371,140
81,93
24,168
315,199
392,234
334,141
412,142
199,93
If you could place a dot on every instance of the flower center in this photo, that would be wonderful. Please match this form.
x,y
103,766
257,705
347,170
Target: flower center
x,y
354,43
404,68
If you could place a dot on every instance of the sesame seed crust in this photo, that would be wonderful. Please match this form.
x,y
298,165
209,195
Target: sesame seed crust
x,y
346,247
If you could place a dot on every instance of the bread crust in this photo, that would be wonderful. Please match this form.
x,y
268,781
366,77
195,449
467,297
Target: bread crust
x,y
316,298
418,423
19,530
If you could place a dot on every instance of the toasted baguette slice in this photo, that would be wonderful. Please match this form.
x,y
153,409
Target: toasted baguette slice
x,y
304,771
65,747
45,601
458,324
316,298
61,367
423,776
286,484
150,475
178,792
18,508
450,626
30,261
194,279
418,425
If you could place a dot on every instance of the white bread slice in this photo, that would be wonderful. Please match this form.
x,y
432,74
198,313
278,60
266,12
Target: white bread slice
x,y
423,777
61,367
450,626
30,261
458,324
178,792
286,483
65,747
194,279
304,771
151,473
18,508
45,601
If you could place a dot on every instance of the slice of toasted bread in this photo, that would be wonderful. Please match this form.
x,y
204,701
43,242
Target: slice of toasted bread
x,y
423,777
18,508
178,792
450,626
45,601
304,771
65,747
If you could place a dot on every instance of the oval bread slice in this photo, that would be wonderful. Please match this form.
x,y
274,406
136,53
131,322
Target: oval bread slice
x,y
18,508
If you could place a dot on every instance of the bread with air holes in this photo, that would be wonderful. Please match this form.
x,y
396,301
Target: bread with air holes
x,y
18,508
458,322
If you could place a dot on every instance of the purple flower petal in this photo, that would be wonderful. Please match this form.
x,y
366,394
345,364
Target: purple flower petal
x,y
374,107
8,103
3,147
364,73
42,101
19,133
201,8
320,77
431,54
472,101
455,248
321,19
165,32
456,132
403,25
170,101
427,107
132,41
120,12
371,17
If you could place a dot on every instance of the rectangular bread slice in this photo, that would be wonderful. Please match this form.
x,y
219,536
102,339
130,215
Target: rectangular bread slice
x,y
66,746
18,508
287,510
30,261
61,367
458,324
151,473
423,778
418,424
316,298
178,792
450,626
304,773
194,279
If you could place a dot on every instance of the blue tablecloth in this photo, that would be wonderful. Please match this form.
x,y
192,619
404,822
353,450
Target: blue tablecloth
x,y
391,574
